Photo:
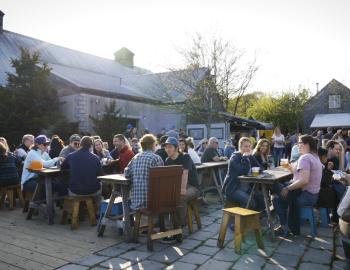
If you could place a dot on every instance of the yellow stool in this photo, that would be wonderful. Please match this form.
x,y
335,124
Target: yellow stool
x,y
73,203
245,220
192,207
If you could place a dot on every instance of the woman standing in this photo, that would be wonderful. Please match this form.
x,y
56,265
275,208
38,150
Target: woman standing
x,y
261,152
302,190
278,145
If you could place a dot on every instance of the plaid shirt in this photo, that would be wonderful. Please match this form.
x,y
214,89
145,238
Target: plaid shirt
x,y
138,172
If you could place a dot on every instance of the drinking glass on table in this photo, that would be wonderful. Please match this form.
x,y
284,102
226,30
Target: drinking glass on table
x,y
284,163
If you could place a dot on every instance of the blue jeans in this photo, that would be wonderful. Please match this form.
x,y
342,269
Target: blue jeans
x,y
241,197
277,155
288,209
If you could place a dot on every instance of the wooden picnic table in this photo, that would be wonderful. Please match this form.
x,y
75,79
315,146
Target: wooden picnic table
x,y
219,165
269,177
117,180
46,176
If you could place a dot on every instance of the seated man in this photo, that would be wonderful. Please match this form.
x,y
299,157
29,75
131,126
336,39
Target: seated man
x,y
74,142
138,171
211,152
124,150
189,185
333,149
84,168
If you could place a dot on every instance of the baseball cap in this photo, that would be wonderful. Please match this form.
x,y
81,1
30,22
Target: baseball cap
x,y
41,139
173,141
74,138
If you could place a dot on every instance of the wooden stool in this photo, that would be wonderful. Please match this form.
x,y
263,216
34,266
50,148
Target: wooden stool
x,y
73,203
27,198
11,193
192,207
245,220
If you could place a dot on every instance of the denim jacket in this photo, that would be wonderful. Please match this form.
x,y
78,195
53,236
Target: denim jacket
x,y
238,165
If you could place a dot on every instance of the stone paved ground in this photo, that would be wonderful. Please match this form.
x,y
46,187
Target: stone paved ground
x,y
198,251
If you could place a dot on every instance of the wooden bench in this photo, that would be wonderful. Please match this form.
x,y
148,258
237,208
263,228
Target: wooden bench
x,y
245,220
73,203
192,208
11,193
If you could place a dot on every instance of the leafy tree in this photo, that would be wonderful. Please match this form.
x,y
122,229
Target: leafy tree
x,y
243,103
29,103
111,122
284,110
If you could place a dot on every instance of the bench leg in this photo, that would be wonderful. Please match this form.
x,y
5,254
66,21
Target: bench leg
x,y
197,216
223,229
137,226
91,212
11,198
238,242
189,218
20,197
258,237
150,231
75,215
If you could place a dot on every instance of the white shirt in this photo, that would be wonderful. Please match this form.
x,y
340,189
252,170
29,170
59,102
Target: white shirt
x,y
279,141
194,156
44,158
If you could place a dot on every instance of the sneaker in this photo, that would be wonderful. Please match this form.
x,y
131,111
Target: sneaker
x,y
169,240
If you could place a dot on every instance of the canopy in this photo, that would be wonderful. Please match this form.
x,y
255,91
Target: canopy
x,y
331,120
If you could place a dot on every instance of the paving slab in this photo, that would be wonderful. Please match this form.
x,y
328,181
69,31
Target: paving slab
x,y
206,250
146,265
92,260
291,248
194,258
201,235
313,266
226,254
189,244
73,267
136,255
117,263
284,259
181,266
322,243
168,255
318,256
214,264
112,251
340,265
249,262
277,267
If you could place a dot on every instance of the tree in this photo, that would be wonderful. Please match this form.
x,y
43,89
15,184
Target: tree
x,y
111,122
226,76
244,102
284,110
29,103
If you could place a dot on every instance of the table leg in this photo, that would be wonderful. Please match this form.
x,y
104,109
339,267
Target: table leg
x,y
267,205
251,196
35,197
49,201
126,213
106,215
218,187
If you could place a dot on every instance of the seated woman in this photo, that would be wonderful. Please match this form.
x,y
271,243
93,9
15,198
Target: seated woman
x,y
302,190
240,164
39,153
101,152
8,167
261,152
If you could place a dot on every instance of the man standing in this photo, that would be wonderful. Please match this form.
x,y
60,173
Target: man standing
x,y
84,168
138,171
189,185
329,135
74,143
211,152
125,152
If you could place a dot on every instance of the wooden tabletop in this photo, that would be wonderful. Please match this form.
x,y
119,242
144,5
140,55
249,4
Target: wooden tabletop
x,y
47,171
114,179
269,176
213,164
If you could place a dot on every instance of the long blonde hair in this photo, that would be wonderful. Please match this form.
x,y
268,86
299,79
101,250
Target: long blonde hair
x,y
258,146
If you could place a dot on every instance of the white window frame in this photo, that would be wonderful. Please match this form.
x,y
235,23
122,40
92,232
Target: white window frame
x,y
334,101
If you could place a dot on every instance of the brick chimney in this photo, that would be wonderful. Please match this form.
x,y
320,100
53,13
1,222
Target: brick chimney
x,y
1,21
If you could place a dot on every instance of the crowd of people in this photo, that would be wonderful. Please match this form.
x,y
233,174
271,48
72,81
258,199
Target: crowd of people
x,y
314,160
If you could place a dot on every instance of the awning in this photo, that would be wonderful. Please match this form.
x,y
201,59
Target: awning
x,y
331,120
246,122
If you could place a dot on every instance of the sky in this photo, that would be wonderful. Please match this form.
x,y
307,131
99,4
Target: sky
x,y
298,43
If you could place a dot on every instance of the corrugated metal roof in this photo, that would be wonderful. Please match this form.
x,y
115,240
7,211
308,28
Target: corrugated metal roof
x,y
331,120
93,72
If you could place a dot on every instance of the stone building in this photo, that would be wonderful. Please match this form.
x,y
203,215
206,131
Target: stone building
x,y
86,83
330,107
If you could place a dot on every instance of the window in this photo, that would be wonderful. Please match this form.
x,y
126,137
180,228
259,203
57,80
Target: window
x,y
334,102
218,133
196,133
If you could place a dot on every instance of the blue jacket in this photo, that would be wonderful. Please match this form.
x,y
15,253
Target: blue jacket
x,y
84,168
238,165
